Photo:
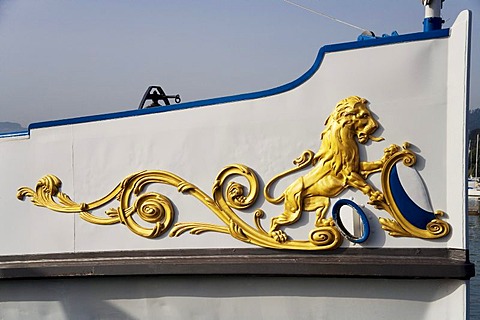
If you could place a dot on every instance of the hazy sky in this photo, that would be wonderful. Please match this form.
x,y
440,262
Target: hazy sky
x,y
62,59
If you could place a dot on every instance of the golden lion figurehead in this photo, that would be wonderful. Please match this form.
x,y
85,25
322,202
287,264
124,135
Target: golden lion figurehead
x,y
336,167
351,116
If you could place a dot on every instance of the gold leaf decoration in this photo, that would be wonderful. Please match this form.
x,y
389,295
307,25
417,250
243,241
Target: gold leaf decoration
x,y
156,209
336,166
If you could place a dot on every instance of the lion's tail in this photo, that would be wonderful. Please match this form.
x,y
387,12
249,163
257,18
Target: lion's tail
x,y
305,159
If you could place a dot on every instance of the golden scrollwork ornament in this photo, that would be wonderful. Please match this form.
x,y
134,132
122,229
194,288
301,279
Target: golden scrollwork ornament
x,y
335,167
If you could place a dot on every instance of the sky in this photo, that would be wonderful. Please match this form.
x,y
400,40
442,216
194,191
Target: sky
x,y
64,58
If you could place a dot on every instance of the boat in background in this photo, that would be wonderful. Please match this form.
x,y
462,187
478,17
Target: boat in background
x,y
473,189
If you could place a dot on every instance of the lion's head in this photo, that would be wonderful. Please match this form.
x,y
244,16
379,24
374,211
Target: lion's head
x,y
351,115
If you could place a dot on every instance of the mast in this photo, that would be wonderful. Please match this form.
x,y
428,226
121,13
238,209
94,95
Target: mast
x,y
476,159
433,20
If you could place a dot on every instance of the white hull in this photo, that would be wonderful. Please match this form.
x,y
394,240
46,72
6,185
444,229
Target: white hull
x,y
404,81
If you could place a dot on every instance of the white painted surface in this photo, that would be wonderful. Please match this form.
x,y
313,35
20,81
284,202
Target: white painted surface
x,y
457,99
26,229
232,298
414,186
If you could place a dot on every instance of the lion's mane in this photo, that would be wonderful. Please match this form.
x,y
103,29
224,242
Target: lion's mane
x,y
339,149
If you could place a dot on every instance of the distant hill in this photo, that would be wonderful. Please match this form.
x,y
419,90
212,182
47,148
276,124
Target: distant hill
x,y
10,127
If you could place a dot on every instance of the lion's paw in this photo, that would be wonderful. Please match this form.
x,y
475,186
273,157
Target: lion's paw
x,y
390,151
376,196
279,236
324,223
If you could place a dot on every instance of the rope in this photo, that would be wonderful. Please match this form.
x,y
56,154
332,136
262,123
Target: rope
x,y
325,15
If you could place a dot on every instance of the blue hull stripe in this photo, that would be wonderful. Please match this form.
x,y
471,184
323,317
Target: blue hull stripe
x,y
409,209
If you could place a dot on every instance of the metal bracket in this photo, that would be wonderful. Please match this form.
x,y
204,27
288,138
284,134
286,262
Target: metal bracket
x,y
156,94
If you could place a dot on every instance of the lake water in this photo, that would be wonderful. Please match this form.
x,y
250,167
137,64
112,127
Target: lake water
x,y
474,233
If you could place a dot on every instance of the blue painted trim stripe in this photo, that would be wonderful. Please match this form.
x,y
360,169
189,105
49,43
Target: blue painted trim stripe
x,y
14,134
255,95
